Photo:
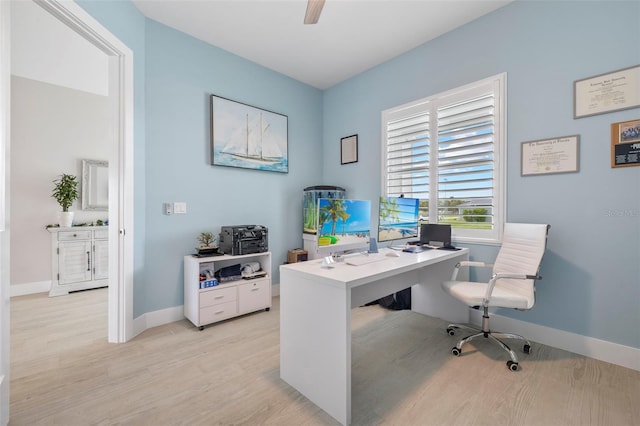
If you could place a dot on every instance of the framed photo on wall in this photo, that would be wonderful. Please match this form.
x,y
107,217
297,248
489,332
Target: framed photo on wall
x,y
248,137
349,149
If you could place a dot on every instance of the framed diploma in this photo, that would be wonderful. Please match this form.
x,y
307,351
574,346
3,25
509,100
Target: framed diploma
x,y
625,143
613,91
545,156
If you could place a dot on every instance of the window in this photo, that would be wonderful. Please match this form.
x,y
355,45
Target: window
x,y
449,151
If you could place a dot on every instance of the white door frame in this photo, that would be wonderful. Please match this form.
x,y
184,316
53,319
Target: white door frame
x,y
120,176
5,106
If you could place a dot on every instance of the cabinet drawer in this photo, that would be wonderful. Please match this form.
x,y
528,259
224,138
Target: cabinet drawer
x,y
219,312
101,234
254,295
74,235
217,296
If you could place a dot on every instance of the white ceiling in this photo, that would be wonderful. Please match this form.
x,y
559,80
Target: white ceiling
x,y
351,36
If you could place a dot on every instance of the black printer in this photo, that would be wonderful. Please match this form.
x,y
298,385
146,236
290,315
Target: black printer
x,y
244,239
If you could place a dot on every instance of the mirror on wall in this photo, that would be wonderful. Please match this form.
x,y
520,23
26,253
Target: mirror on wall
x,y
95,185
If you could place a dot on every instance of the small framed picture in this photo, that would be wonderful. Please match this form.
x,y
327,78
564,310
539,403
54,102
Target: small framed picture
x,y
349,149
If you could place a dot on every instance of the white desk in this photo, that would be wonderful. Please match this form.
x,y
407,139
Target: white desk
x,y
315,316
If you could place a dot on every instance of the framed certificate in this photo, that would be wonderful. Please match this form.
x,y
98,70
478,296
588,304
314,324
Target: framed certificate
x,y
613,91
545,156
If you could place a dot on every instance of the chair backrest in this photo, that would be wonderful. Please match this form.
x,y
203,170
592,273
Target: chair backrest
x,y
523,246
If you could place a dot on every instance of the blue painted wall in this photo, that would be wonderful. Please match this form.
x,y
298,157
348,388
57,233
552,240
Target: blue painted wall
x,y
591,271
181,73
591,282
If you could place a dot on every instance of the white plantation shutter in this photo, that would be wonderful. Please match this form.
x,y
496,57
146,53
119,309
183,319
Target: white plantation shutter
x,y
407,166
465,158
448,151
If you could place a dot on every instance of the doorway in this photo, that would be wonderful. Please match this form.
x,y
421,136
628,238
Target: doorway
x,y
120,63
120,98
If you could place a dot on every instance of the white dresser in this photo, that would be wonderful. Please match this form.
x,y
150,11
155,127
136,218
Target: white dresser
x,y
79,258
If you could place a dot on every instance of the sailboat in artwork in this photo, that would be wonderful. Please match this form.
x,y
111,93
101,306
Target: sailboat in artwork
x,y
254,143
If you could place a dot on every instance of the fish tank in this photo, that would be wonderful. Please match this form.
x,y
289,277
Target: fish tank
x,y
311,195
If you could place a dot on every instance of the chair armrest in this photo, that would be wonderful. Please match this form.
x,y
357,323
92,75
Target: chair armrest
x,y
474,263
517,276
468,263
502,275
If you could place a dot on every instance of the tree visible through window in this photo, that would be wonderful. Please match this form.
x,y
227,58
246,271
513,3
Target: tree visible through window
x,y
448,150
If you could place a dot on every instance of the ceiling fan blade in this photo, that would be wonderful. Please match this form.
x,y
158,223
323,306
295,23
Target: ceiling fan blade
x,y
314,8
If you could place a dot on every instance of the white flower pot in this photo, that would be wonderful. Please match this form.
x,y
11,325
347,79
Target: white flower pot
x,y
65,219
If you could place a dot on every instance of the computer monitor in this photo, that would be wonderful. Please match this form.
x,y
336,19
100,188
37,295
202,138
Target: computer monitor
x,y
343,225
435,234
398,218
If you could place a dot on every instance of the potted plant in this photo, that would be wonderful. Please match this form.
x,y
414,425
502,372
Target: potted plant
x,y
65,192
208,244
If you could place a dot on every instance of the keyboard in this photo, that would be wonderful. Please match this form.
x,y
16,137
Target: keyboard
x,y
363,259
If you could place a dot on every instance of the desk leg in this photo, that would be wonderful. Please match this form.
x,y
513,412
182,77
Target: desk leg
x,y
315,342
428,298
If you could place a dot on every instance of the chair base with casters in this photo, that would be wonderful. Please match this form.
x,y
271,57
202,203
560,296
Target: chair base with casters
x,y
494,337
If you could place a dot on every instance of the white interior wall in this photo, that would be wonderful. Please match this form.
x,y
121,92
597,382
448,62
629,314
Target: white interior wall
x,y
59,109
52,130
44,49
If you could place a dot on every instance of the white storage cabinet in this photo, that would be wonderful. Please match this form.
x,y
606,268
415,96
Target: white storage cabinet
x,y
79,259
203,306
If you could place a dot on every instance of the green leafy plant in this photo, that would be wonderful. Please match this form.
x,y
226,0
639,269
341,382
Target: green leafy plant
x,y
65,190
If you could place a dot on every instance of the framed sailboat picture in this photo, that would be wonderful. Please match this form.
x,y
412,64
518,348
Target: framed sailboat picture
x,y
248,137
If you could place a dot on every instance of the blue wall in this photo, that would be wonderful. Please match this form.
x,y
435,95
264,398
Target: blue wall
x,y
181,73
591,282
591,271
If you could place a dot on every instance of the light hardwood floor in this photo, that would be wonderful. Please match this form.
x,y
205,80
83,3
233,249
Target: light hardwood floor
x,y
63,372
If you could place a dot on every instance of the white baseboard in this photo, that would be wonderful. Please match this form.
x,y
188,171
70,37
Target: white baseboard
x,y
156,318
29,288
614,353
275,290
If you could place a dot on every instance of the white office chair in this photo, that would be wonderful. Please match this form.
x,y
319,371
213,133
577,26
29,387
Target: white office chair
x,y
511,285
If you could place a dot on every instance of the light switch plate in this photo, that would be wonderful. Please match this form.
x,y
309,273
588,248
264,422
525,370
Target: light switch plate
x,y
180,208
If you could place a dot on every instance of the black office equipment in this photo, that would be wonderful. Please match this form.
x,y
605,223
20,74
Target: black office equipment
x,y
244,239
435,234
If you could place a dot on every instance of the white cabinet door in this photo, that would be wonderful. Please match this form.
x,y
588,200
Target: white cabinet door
x,y
100,259
74,261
